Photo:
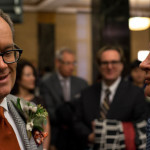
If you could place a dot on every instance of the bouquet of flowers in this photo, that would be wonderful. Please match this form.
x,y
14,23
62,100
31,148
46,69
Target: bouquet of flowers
x,y
34,117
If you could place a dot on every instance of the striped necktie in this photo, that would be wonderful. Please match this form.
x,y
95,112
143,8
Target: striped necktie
x,y
105,105
8,139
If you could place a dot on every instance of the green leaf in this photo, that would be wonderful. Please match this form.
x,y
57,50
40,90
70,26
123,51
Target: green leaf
x,y
39,120
18,104
37,127
20,111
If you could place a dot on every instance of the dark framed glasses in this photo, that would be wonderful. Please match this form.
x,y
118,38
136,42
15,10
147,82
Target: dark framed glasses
x,y
11,56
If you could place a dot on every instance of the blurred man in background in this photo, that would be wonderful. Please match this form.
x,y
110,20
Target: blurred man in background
x,y
59,90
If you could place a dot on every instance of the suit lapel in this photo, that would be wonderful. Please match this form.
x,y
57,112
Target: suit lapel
x,y
20,124
119,94
98,96
56,86
96,100
72,88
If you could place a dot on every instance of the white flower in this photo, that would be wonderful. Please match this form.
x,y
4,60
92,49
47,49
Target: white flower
x,y
30,108
35,116
26,108
29,126
34,109
22,103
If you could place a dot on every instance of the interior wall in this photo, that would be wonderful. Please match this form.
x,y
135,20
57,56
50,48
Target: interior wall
x,y
139,40
65,31
26,37
84,48
73,30
46,40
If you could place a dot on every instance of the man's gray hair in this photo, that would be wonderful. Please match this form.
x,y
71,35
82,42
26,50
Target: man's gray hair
x,y
7,18
59,53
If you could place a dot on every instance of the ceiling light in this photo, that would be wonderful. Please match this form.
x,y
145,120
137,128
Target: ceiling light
x,y
139,23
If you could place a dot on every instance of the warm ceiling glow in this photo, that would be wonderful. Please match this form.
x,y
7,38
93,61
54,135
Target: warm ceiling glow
x,y
139,23
142,54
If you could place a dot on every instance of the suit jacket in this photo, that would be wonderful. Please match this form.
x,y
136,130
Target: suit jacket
x,y
52,92
128,105
20,124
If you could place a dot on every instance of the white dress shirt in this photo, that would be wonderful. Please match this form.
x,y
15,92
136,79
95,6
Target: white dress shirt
x,y
112,89
12,123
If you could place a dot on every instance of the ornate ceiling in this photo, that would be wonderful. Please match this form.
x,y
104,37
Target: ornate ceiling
x,y
136,6
56,5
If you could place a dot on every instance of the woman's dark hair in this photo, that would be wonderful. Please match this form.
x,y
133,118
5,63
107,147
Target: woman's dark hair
x,y
135,64
20,66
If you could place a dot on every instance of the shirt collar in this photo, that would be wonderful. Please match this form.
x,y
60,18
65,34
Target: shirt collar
x,y
61,78
112,87
4,104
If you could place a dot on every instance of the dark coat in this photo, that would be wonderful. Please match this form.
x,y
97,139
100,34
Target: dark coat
x,y
59,112
128,105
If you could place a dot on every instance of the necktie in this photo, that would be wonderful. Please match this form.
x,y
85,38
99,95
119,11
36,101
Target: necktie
x,y
8,138
148,135
105,105
65,91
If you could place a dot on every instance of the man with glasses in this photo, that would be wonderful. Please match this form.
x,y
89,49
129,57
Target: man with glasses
x,y
59,90
116,104
13,133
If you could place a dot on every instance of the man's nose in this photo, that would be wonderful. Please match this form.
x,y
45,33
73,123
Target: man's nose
x,y
109,65
2,63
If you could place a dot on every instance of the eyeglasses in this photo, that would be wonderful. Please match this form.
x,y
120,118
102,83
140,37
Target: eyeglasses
x,y
11,56
106,63
68,63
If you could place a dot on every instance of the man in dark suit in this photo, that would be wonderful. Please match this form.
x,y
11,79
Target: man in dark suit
x,y
59,90
124,102
13,134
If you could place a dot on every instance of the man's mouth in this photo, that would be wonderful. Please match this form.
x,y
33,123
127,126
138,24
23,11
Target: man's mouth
x,y
3,77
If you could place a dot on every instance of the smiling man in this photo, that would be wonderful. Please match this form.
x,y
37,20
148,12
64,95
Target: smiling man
x,y
13,133
111,99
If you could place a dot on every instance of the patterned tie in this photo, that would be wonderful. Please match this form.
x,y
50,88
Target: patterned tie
x,y
8,138
148,135
105,105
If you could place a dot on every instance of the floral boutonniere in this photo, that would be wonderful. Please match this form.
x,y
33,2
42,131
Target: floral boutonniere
x,y
35,117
